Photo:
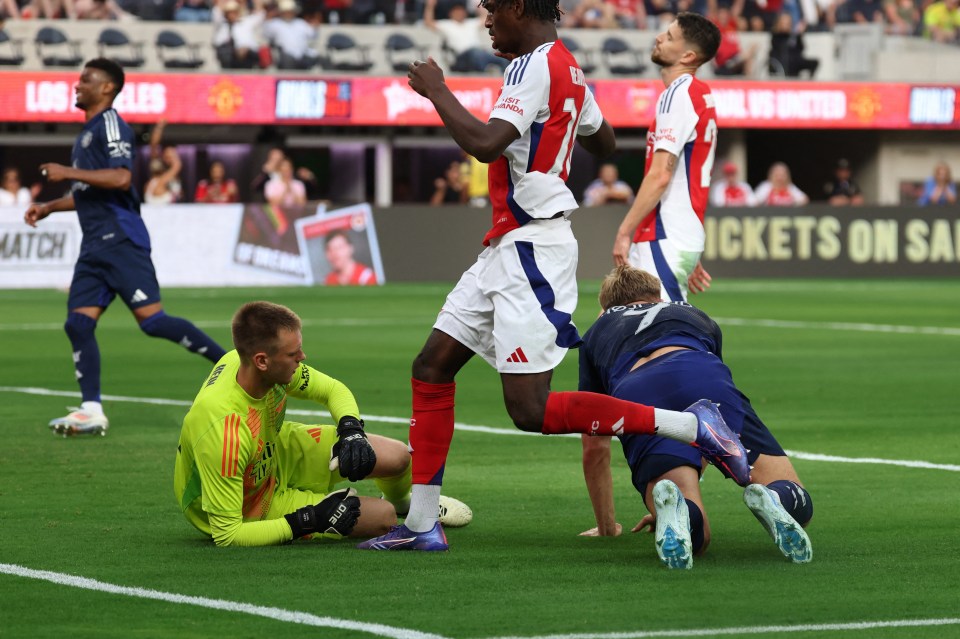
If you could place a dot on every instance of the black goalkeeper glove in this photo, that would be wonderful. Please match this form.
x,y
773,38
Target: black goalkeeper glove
x,y
352,453
336,513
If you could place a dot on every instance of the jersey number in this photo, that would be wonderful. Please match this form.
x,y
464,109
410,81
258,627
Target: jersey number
x,y
647,315
562,163
710,137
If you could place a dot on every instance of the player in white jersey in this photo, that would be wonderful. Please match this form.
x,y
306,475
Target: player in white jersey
x,y
663,231
513,307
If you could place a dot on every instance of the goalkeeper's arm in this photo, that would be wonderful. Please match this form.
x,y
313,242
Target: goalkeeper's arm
x,y
336,513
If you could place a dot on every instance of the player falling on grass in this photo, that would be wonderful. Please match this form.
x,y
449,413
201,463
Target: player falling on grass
x,y
669,354
663,231
246,476
513,307
115,250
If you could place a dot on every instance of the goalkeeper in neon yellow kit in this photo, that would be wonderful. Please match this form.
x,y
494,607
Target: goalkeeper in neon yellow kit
x,y
247,477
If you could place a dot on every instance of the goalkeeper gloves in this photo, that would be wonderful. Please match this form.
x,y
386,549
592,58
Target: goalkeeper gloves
x,y
352,453
336,513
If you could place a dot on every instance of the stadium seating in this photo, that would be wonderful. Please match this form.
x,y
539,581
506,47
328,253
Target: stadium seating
x,y
115,44
850,53
55,49
11,51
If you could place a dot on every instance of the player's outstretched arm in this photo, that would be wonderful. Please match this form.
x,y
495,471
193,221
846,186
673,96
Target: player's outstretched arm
x,y
596,473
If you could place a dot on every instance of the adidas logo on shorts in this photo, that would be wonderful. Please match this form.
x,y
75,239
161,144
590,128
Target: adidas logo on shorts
x,y
517,356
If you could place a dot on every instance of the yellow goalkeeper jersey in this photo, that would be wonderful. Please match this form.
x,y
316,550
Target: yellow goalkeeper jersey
x,y
226,459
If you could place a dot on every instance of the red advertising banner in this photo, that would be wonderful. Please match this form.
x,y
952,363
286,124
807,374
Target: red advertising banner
x,y
262,99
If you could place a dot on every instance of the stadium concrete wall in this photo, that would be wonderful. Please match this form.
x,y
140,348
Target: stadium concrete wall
x,y
201,245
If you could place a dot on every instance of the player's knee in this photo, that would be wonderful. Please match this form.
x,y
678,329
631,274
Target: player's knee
x,y
155,324
526,413
79,327
377,516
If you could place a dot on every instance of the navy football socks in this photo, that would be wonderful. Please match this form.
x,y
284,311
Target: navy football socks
x,y
182,332
794,499
86,354
696,526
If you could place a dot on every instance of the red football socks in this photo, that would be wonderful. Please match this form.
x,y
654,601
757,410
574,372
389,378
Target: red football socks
x,y
431,430
596,414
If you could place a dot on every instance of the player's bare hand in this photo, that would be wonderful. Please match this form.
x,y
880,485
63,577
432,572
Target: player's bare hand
x,y
621,249
647,522
53,172
699,280
425,77
35,213
595,532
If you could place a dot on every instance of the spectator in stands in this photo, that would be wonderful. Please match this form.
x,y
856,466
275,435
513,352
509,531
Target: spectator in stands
x,y
285,191
778,189
236,37
268,171
450,188
761,15
475,175
786,49
12,191
193,11
218,188
843,190
939,189
466,37
164,184
310,182
99,10
731,191
293,36
608,188
50,9
9,9
344,269
903,17
863,12
941,21
730,58
595,14
629,14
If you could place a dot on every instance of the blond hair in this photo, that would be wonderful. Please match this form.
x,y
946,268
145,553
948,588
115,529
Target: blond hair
x,y
626,285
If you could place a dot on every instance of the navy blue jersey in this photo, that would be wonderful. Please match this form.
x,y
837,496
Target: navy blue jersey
x,y
107,216
624,334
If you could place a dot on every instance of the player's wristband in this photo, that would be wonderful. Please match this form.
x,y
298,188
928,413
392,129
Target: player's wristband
x,y
348,426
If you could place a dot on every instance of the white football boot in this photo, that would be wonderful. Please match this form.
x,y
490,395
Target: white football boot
x,y
454,513
790,537
674,546
80,422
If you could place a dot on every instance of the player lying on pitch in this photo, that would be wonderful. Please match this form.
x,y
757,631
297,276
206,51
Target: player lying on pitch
x,y
248,477
668,355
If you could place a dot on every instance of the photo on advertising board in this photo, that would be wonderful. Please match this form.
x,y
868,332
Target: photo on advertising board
x,y
339,248
268,238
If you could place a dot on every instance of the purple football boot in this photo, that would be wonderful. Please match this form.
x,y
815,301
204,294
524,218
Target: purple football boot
x,y
402,538
717,443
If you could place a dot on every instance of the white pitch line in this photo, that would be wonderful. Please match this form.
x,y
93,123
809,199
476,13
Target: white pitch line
x,y
728,321
473,428
840,326
279,614
752,630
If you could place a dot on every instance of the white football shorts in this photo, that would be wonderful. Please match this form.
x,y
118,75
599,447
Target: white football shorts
x,y
672,265
513,307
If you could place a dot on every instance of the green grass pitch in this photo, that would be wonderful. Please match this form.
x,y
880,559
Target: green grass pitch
x,y
848,369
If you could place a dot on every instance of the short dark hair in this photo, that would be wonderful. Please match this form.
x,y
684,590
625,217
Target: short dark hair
x,y
256,327
701,33
546,10
338,233
113,70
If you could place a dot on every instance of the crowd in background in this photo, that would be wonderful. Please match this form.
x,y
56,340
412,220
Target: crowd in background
x,y
250,34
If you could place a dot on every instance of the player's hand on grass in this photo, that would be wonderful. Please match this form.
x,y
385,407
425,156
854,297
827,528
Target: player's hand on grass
x,y
699,280
352,454
337,513
648,521
595,532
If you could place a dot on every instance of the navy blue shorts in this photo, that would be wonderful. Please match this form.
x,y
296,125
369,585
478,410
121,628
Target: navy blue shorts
x,y
673,382
123,269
